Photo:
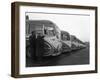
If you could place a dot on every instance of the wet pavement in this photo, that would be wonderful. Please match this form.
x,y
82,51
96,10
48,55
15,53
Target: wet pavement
x,y
77,57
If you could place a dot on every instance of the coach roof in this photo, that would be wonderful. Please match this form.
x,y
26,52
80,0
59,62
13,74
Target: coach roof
x,y
41,22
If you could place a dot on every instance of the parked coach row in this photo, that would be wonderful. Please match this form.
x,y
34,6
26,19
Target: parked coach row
x,y
55,40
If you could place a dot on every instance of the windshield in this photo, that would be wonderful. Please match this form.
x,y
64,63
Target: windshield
x,y
46,29
65,36
49,31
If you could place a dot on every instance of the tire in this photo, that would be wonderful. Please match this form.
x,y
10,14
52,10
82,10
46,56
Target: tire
x,y
29,52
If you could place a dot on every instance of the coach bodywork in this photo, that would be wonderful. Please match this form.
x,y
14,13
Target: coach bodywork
x,y
66,41
76,43
51,33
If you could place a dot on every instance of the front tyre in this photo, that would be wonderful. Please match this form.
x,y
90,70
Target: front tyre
x,y
29,52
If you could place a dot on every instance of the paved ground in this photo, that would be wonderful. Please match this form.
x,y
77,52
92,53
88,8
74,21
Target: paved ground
x,y
72,58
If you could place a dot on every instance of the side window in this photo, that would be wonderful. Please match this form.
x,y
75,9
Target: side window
x,y
38,28
27,28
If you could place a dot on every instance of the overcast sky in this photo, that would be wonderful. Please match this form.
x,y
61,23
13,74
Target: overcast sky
x,y
78,25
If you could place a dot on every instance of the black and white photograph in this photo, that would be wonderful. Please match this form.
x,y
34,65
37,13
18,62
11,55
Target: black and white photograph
x,y
57,39
52,39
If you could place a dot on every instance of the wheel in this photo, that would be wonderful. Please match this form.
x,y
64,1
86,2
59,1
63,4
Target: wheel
x,y
29,53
